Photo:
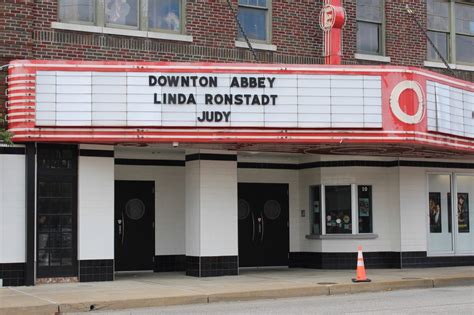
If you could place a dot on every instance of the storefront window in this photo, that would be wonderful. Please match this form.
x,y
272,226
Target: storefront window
x,y
56,210
338,209
315,206
364,196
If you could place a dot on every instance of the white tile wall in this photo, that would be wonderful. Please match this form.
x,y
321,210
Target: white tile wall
x,y
96,208
301,100
12,208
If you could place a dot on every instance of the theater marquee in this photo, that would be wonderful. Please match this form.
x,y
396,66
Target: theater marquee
x,y
116,102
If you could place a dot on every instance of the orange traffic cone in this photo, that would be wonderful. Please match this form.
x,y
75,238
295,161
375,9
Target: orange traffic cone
x,y
361,277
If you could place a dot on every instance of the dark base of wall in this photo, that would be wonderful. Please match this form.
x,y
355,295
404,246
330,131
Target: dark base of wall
x,y
212,266
12,274
96,270
375,260
419,259
165,263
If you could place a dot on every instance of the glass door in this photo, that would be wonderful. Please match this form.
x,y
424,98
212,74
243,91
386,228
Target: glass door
x,y
464,213
440,223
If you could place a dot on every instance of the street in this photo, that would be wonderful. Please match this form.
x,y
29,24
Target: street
x,y
450,300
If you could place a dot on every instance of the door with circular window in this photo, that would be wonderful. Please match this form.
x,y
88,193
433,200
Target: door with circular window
x,y
134,225
263,224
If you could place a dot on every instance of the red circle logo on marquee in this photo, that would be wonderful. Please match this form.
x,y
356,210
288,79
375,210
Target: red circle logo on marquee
x,y
396,108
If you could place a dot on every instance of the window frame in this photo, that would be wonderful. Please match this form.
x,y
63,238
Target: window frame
x,y
268,23
100,19
354,211
381,36
452,34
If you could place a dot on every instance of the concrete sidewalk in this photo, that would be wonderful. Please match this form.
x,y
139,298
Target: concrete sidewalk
x,y
159,289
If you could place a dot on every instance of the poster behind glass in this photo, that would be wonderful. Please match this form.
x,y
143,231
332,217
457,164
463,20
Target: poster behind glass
x,y
435,212
462,208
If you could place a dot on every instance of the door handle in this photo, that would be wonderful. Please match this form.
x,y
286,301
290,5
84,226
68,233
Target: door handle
x,y
253,227
263,227
119,222
123,227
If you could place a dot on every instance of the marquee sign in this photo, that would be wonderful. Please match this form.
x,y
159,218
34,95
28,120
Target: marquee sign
x,y
117,102
93,98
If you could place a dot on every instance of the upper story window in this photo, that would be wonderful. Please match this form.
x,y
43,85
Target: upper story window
x,y
254,15
145,15
451,29
370,27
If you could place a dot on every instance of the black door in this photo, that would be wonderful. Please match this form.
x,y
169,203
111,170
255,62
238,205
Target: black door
x,y
263,225
134,225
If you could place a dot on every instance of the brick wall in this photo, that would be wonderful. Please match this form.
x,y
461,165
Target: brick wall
x,y
404,42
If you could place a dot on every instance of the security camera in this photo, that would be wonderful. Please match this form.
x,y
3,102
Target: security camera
x,y
175,144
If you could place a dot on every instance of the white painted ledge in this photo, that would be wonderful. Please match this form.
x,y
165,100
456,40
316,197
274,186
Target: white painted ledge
x,y
372,57
120,31
434,64
367,236
241,44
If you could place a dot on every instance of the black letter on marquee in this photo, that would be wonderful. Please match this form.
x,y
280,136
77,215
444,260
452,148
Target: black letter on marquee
x,y
152,80
235,82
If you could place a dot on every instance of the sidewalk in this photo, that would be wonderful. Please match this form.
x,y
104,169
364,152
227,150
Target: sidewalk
x,y
159,289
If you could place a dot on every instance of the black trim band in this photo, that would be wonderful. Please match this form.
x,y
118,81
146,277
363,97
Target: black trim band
x,y
96,153
149,162
12,150
346,260
30,198
273,166
360,163
211,157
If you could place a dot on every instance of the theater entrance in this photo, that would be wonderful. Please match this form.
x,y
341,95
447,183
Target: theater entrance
x,y
263,213
134,225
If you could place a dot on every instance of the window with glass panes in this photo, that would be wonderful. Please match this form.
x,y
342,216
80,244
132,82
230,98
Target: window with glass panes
x,y
56,208
451,29
254,17
370,23
341,209
146,15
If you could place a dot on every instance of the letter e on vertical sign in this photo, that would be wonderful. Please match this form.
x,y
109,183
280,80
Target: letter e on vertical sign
x,y
326,17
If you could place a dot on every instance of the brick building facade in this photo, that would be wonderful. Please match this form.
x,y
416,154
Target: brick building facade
x,y
26,33
384,161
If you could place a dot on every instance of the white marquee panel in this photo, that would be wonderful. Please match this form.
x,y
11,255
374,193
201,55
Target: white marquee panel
x,y
84,98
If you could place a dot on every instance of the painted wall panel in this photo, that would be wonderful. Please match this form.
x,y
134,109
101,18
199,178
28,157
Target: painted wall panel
x,y
12,208
96,208
218,213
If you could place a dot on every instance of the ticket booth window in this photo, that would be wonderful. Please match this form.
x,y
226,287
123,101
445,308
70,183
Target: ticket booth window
x,y
341,209
338,210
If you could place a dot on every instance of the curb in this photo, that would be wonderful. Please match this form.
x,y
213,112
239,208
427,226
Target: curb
x,y
299,291
453,281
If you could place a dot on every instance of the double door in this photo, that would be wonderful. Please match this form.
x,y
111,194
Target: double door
x,y
450,214
263,224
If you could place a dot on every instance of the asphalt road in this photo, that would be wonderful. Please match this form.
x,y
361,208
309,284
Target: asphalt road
x,y
450,300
